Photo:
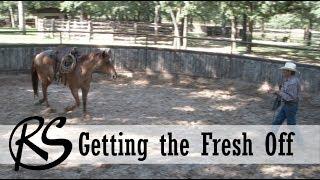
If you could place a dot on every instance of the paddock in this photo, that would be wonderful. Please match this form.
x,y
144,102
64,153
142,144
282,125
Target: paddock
x,y
151,98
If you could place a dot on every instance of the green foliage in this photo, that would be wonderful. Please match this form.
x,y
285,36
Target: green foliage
x,y
4,5
32,6
285,21
282,14
316,9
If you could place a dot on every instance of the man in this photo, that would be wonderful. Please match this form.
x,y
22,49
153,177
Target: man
x,y
290,95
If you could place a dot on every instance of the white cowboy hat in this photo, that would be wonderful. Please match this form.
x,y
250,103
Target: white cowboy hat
x,y
289,66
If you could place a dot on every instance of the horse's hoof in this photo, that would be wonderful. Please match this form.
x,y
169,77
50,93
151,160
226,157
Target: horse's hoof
x,y
51,110
38,103
86,116
48,110
68,109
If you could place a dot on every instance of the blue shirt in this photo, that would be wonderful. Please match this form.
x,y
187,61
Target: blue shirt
x,y
291,89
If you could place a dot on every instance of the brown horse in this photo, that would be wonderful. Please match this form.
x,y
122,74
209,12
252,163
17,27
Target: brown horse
x,y
79,78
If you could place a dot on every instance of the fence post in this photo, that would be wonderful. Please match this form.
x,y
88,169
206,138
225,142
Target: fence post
x,y
231,49
89,30
41,27
113,26
52,28
135,26
68,28
60,37
147,41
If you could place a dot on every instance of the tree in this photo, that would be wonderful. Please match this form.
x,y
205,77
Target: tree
x,y
33,6
251,11
179,12
9,7
157,9
231,10
306,11
74,7
174,8
265,10
22,22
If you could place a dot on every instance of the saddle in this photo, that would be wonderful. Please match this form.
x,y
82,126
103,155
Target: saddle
x,y
64,65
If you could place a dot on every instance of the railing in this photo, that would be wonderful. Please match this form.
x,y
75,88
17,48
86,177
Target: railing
x,y
105,26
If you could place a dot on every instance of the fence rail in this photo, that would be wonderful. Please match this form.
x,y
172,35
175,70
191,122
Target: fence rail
x,y
161,35
109,26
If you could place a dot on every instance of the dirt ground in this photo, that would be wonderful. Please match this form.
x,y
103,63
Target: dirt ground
x,y
155,100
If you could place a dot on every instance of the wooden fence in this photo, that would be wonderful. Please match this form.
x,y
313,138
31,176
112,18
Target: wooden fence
x,y
18,58
107,26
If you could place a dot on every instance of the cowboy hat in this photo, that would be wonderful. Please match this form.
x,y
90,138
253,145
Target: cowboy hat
x,y
289,66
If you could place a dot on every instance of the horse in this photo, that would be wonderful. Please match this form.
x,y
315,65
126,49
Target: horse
x,y
79,78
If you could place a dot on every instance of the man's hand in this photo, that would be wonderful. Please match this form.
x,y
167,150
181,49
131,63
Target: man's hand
x,y
270,91
273,92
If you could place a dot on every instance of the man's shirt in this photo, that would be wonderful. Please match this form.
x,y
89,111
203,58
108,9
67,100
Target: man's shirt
x,y
291,89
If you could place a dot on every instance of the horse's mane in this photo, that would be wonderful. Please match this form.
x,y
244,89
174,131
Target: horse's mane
x,y
88,57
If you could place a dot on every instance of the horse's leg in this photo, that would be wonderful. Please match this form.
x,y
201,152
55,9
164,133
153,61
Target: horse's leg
x,y
45,92
75,95
85,91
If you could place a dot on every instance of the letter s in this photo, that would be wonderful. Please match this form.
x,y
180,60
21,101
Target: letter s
x,y
57,142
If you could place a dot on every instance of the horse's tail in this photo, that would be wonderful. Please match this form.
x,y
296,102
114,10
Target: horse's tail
x,y
35,80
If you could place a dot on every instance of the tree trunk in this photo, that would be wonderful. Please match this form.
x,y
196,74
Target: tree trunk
x,y
139,16
185,32
224,22
233,33
249,38
236,26
250,33
156,20
263,28
308,34
22,23
160,17
181,31
244,27
13,24
81,14
176,41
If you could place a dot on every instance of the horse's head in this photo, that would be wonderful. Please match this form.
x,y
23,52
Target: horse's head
x,y
104,63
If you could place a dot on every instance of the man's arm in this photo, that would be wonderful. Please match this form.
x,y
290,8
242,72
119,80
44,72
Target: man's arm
x,y
290,93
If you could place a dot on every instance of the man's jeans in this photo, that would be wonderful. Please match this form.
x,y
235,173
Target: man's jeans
x,y
287,111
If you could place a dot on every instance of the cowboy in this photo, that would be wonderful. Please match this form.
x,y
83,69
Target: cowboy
x,y
290,95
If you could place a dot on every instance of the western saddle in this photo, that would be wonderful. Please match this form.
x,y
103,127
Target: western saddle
x,y
65,63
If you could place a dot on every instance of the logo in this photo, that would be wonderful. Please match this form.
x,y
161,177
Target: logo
x,y
24,141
